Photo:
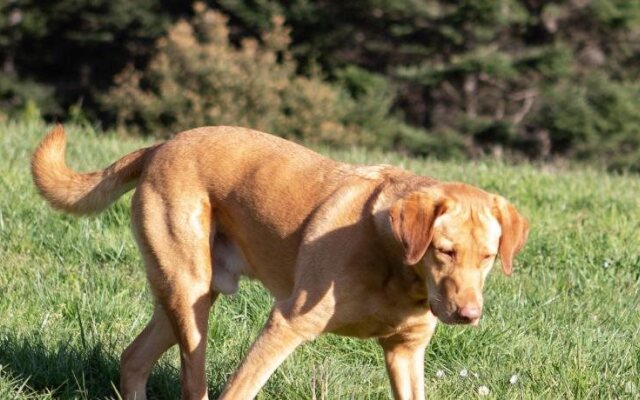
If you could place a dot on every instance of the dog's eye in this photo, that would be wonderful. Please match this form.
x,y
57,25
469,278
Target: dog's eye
x,y
488,257
449,253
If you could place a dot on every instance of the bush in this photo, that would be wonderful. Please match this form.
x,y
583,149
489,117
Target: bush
x,y
17,95
595,119
59,53
198,77
371,99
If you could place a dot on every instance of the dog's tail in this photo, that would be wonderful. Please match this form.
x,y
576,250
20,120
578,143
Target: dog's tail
x,y
78,193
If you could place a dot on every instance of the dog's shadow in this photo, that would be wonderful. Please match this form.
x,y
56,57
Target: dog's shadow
x,y
67,372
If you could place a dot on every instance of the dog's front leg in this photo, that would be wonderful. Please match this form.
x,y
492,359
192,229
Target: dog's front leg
x,y
279,338
404,358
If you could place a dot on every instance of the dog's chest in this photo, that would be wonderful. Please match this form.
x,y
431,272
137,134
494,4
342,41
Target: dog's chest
x,y
385,319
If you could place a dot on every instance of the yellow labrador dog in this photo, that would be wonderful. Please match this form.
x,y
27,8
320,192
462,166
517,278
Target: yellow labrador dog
x,y
372,252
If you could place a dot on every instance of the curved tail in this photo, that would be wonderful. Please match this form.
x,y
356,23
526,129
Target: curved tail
x,y
78,193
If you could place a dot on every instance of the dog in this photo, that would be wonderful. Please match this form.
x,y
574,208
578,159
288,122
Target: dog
x,y
364,251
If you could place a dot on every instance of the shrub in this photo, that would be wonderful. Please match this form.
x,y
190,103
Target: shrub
x,y
371,97
595,119
198,77
17,96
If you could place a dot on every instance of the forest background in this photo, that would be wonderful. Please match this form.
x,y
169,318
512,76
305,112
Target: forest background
x,y
536,80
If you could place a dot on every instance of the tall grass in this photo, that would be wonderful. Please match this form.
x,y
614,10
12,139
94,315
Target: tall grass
x,y
567,323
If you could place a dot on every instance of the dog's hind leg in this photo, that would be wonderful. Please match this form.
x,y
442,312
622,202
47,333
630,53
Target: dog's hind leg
x,y
175,240
138,359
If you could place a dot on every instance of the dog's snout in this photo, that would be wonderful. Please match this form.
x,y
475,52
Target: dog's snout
x,y
471,312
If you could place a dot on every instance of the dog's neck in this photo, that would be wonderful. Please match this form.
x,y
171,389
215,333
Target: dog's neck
x,y
402,279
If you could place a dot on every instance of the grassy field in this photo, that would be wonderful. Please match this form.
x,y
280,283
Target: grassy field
x,y
567,323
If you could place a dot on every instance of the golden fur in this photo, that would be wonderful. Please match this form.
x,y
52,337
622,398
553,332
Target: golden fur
x,y
362,251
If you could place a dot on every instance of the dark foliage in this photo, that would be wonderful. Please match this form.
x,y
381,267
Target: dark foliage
x,y
539,79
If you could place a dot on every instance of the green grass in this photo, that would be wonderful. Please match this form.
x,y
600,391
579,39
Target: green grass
x,y
73,294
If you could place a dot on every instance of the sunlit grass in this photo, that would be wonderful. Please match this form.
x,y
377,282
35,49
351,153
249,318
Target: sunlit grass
x,y
567,323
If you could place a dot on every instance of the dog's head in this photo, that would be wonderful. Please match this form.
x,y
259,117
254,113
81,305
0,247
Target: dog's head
x,y
451,234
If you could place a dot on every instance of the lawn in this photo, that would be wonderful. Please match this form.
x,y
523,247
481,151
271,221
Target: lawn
x,y
566,323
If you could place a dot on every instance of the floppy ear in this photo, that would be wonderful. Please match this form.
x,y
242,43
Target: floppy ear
x,y
411,221
515,229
